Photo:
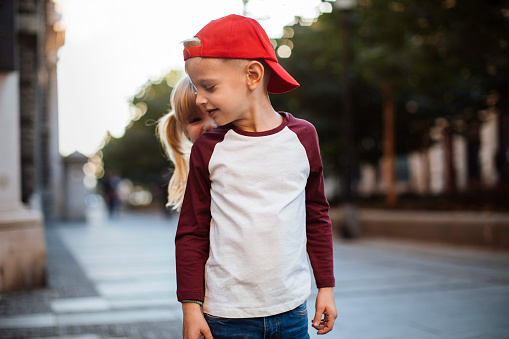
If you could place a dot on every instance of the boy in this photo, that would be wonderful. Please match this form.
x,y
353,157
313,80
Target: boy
x,y
254,202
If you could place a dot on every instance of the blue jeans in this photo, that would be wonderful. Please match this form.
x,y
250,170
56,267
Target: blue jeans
x,y
289,325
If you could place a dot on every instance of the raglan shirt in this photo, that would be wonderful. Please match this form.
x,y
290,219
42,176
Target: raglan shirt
x,y
254,210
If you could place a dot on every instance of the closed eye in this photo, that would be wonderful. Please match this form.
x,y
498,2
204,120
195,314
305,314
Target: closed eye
x,y
195,120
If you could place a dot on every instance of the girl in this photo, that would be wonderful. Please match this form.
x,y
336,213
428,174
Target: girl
x,y
177,131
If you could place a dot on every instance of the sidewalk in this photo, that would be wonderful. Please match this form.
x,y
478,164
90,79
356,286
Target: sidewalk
x,y
107,279
116,279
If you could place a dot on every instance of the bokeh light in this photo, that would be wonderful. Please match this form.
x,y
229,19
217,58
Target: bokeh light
x,y
284,51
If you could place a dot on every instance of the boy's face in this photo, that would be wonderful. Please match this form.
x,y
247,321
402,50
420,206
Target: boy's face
x,y
221,88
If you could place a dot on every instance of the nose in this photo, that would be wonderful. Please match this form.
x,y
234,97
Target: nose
x,y
208,124
200,99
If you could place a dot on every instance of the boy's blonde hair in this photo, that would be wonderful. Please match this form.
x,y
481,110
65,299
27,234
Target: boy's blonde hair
x,y
171,132
234,62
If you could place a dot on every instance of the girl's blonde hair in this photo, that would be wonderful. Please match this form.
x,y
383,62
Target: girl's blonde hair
x,y
171,132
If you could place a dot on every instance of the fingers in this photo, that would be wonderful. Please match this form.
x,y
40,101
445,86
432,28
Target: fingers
x,y
318,322
325,324
205,331
204,334
319,311
318,316
207,334
197,332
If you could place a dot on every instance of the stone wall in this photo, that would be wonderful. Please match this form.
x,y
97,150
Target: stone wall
x,y
30,162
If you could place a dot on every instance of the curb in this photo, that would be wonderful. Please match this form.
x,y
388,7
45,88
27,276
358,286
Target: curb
x,y
481,229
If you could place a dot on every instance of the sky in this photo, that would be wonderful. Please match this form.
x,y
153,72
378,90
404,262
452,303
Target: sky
x,y
113,47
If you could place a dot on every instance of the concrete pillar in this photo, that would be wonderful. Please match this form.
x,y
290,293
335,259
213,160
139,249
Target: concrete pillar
x,y
437,168
460,162
52,180
22,245
53,194
489,147
418,168
367,182
75,190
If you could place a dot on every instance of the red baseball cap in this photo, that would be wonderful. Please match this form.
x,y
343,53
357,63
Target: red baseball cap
x,y
238,37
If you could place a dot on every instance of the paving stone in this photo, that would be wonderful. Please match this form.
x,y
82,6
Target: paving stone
x,y
28,320
80,336
119,317
65,279
141,330
90,304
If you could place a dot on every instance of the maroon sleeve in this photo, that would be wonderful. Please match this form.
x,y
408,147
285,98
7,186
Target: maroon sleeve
x,y
192,237
318,224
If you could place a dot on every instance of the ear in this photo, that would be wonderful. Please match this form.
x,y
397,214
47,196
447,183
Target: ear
x,y
254,73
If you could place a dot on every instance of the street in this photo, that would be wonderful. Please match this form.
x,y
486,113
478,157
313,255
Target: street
x,y
115,278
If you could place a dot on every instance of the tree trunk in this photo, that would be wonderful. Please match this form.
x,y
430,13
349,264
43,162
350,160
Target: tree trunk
x,y
350,227
503,145
388,144
450,174
473,145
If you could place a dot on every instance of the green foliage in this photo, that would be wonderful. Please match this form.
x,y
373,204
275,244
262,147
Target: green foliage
x,y
442,57
138,154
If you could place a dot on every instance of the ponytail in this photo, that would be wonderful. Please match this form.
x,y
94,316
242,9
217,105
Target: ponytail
x,y
177,149
170,130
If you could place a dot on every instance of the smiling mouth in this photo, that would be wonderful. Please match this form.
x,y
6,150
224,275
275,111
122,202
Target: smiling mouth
x,y
211,112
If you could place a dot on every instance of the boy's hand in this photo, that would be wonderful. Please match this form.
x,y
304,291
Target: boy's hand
x,y
326,306
195,326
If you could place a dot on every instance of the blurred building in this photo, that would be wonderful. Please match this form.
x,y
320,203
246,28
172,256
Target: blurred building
x,y
31,169
478,159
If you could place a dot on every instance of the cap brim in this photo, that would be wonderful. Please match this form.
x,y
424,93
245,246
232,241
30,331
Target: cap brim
x,y
280,81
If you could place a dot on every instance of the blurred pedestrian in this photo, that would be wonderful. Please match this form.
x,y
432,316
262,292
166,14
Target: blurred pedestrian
x,y
110,188
254,203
